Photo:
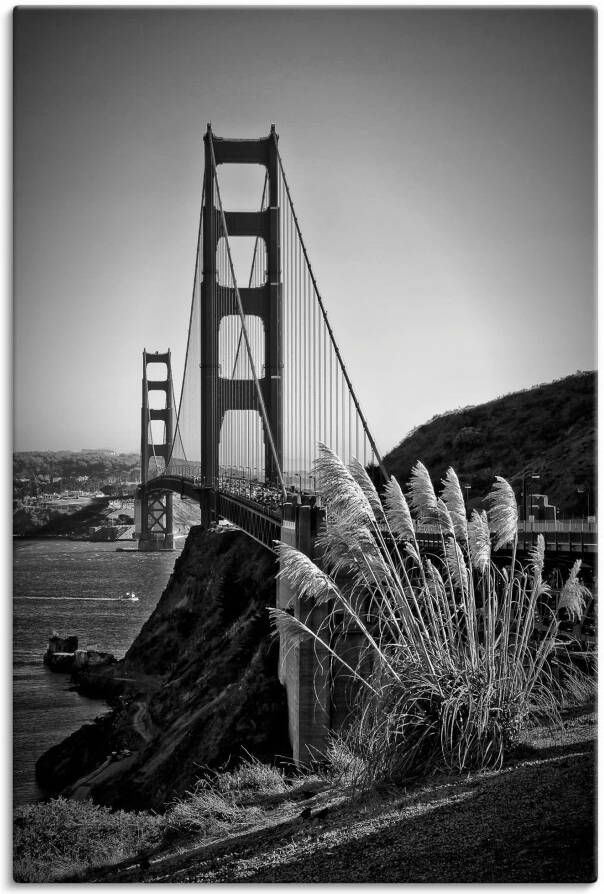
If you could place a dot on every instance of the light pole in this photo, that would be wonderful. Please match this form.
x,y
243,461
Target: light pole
x,y
585,489
467,488
314,483
530,476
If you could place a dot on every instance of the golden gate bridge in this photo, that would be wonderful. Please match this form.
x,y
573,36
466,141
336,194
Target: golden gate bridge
x,y
264,380
264,384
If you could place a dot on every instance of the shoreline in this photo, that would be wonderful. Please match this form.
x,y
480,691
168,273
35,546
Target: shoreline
x,y
46,709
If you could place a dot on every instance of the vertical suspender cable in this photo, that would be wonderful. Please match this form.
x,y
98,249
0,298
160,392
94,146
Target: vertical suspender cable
x,y
324,314
195,277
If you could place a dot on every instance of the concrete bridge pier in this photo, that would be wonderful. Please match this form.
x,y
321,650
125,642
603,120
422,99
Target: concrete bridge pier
x,y
153,521
207,505
304,667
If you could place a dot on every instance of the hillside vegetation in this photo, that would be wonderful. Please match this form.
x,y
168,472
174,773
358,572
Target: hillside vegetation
x,y
549,429
70,464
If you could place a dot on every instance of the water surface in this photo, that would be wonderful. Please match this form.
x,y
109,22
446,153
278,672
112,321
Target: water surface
x,y
72,587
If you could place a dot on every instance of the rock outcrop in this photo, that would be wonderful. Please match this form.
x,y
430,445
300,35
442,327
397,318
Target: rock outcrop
x,y
64,657
197,689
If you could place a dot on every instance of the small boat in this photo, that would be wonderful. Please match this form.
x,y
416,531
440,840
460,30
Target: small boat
x,y
129,597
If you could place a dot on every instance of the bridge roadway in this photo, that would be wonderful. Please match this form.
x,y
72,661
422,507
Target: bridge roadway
x,y
251,505
257,508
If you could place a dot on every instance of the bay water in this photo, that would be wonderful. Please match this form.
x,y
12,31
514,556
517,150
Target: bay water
x,y
71,587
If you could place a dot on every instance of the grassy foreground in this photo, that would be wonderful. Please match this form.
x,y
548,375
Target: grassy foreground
x,y
462,658
530,821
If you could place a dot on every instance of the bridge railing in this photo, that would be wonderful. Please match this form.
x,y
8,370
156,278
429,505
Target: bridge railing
x,y
536,527
560,525
181,469
252,491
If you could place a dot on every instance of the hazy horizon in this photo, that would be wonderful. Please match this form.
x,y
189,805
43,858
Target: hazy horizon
x,y
136,449
442,165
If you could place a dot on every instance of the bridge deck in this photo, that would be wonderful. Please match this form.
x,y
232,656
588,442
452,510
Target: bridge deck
x,y
257,509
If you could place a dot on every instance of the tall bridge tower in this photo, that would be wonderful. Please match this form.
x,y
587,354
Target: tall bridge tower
x,y
264,384
218,301
153,511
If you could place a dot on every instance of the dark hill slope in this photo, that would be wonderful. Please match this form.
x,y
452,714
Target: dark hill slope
x,y
550,429
198,687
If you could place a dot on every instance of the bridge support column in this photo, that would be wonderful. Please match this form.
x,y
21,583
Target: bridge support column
x,y
220,394
207,505
304,668
154,525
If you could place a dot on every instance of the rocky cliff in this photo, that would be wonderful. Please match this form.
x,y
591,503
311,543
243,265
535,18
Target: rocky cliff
x,y
197,688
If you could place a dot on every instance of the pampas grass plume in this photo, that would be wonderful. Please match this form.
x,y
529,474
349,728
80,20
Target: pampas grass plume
x,y
422,498
502,512
453,498
574,594
479,540
397,510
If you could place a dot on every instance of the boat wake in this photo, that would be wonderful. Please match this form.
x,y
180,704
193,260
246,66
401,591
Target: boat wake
x,y
79,598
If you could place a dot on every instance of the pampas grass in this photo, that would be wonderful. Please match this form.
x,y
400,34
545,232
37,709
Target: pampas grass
x,y
574,595
397,511
453,500
452,664
479,540
502,513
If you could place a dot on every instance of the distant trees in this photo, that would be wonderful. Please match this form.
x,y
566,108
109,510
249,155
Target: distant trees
x,y
71,466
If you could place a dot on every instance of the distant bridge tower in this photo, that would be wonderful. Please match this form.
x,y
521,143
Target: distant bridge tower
x,y
218,395
153,511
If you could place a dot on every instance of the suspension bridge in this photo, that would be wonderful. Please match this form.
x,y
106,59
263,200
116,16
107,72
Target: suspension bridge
x,y
264,382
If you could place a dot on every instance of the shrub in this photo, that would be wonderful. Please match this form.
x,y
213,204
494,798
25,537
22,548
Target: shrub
x,y
343,764
208,812
251,778
63,837
227,800
452,663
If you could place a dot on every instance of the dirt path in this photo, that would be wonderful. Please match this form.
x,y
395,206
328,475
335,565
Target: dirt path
x,y
112,766
140,722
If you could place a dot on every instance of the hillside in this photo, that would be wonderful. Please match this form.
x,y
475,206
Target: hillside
x,y
549,429
532,821
197,687
75,518
69,464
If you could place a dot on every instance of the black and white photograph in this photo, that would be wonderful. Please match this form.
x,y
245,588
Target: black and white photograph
x,y
304,444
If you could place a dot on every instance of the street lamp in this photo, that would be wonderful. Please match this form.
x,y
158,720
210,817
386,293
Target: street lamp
x,y
585,489
314,483
531,476
467,488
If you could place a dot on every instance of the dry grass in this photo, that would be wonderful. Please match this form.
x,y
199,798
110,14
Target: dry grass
x,y
60,837
227,801
531,821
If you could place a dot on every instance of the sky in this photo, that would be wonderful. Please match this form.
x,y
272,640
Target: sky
x,y
441,163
